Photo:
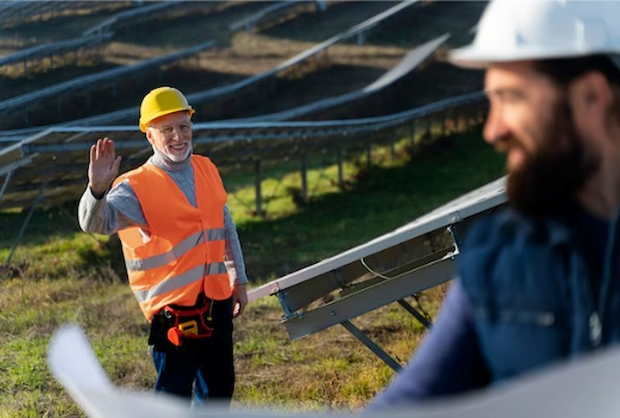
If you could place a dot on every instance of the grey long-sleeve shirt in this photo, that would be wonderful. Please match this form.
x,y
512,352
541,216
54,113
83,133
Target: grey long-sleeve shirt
x,y
120,208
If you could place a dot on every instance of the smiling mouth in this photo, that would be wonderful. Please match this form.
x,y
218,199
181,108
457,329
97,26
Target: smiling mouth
x,y
180,147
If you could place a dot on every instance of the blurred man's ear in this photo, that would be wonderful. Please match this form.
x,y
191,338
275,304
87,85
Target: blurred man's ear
x,y
591,98
591,93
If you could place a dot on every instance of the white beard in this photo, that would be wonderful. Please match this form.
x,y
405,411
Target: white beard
x,y
174,157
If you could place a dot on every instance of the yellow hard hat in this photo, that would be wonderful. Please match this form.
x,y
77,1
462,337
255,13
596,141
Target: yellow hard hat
x,y
160,102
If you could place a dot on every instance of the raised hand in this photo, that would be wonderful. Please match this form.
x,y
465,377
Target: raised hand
x,y
103,166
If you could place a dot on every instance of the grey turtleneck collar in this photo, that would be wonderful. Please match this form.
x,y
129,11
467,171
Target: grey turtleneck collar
x,y
181,172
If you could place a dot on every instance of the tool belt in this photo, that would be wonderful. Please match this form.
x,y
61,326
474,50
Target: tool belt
x,y
188,323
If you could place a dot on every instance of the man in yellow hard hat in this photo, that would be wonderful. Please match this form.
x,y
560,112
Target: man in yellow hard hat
x,y
181,249
539,280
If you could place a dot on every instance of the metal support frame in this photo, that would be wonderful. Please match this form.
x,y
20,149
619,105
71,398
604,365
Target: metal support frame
x,y
417,314
7,179
340,162
360,38
357,333
20,235
257,187
304,177
373,297
446,124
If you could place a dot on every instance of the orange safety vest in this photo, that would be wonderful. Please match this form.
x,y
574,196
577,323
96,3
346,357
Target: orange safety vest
x,y
184,253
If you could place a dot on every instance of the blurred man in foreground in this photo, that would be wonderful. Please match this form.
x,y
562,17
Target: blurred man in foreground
x,y
178,240
538,282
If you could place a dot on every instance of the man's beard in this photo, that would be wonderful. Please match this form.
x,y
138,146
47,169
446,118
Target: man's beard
x,y
172,158
548,180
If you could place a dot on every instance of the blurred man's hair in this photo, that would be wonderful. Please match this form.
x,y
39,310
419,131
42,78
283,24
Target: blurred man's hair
x,y
564,70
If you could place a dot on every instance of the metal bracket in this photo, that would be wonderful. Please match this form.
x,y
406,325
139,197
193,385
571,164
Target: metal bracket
x,y
374,347
25,224
7,179
288,313
417,314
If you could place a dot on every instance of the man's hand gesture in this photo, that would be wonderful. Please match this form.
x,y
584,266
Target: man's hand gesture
x,y
103,167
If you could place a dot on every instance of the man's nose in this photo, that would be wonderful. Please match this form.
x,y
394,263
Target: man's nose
x,y
176,134
495,127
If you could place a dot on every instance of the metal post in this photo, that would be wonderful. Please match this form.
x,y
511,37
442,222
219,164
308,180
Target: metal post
x,y
445,130
413,311
462,121
7,179
360,38
288,313
340,169
429,129
357,333
25,224
304,177
257,187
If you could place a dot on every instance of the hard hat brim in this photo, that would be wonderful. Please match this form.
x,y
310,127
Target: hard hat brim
x,y
475,58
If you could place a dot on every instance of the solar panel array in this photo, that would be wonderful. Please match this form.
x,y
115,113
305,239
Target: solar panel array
x,y
17,104
54,161
15,12
128,115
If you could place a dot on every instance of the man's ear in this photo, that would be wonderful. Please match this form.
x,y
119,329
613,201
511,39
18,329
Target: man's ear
x,y
590,95
149,135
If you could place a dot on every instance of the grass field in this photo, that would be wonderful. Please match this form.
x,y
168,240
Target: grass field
x,y
62,275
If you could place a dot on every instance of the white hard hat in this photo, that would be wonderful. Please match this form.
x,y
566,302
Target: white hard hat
x,y
514,30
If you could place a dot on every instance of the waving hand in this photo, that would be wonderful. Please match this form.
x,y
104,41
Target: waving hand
x,y
103,167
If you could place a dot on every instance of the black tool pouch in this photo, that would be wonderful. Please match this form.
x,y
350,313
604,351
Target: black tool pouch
x,y
177,324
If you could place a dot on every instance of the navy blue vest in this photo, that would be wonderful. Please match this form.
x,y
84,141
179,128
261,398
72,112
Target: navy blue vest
x,y
532,299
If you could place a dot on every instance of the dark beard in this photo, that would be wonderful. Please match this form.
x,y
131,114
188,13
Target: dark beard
x,y
549,179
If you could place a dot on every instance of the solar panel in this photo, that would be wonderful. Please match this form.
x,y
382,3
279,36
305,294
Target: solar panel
x,y
410,259
59,155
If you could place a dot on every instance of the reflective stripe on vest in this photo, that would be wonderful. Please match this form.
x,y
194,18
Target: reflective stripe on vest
x,y
179,281
177,251
181,251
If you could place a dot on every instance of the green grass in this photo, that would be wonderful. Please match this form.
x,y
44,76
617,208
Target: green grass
x,y
61,275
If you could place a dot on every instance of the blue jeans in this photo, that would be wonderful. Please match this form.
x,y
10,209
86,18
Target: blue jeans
x,y
204,368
